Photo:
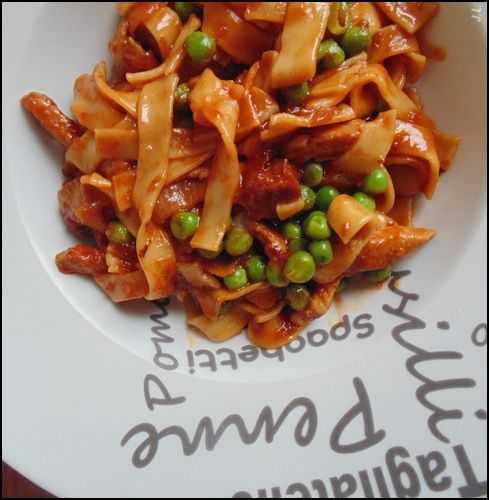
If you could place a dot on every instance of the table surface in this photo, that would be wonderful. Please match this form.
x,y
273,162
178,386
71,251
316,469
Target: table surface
x,y
16,486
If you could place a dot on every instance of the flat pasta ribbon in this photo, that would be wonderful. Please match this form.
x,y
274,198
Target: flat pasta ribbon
x,y
304,28
369,152
411,142
157,259
174,60
212,102
235,36
331,87
155,116
344,255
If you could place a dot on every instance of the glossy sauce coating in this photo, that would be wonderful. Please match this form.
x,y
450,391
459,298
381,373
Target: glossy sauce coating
x,y
51,118
182,196
82,259
266,184
388,245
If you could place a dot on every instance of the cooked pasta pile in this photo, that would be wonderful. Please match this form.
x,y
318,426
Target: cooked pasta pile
x,y
248,158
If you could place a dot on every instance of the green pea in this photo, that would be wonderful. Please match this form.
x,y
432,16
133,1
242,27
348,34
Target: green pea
x,y
355,40
322,251
184,224
322,49
330,54
300,267
182,93
238,241
376,181
297,244
275,276
200,47
183,9
379,275
325,196
256,268
316,227
366,200
313,174
297,94
308,196
210,254
291,230
118,233
298,297
236,280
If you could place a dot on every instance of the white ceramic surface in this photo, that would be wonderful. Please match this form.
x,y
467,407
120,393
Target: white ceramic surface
x,y
73,364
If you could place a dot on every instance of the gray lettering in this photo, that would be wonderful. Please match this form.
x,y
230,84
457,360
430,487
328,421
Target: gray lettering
x,y
420,355
344,324
231,360
207,435
162,359
366,326
432,465
296,345
249,353
276,493
481,414
479,335
319,486
439,414
343,486
211,359
146,450
400,471
158,319
366,485
317,338
473,488
190,361
273,353
299,488
381,482
152,380
362,408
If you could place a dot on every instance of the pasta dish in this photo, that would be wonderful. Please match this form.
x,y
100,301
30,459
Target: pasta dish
x,y
249,159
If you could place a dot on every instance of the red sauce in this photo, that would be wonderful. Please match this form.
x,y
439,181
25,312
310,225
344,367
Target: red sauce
x,y
126,253
389,41
429,50
411,16
274,243
274,333
409,140
420,118
184,195
438,54
110,168
140,13
265,298
266,184
82,259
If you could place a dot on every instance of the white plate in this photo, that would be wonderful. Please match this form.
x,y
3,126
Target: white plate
x,y
75,367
